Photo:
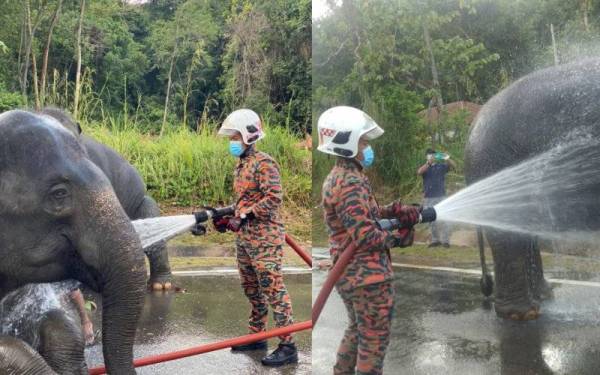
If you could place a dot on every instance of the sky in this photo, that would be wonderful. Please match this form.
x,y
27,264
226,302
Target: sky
x,y
320,8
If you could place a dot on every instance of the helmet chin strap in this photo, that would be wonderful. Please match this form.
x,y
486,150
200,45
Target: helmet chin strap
x,y
245,153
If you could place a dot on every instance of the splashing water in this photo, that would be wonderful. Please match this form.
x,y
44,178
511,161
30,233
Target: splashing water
x,y
22,310
156,229
555,195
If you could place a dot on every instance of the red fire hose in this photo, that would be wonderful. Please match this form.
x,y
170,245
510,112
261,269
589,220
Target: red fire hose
x,y
300,251
332,278
247,339
212,347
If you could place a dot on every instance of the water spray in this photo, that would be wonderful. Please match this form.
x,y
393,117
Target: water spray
x,y
156,229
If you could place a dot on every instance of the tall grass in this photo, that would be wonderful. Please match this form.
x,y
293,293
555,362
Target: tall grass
x,y
193,168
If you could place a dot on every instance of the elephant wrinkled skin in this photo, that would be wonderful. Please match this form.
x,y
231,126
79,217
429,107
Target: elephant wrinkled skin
x,y
531,116
60,219
130,190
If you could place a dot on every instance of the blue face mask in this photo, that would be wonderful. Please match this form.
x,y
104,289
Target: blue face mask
x,y
235,148
368,157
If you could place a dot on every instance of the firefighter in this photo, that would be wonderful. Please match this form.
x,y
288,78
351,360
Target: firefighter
x,y
351,212
259,233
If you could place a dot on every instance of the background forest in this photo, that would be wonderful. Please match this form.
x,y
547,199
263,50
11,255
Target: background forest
x,y
397,59
153,79
422,68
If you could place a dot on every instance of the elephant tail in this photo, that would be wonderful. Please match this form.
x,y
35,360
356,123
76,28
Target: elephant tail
x,y
486,283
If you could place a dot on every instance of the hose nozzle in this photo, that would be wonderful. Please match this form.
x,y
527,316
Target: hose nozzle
x,y
213,213
428,215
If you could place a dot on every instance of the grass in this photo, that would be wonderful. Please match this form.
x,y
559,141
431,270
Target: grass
x,y
186,168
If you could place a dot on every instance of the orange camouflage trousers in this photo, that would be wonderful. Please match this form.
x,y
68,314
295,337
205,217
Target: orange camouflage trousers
x,y
262,281
366,339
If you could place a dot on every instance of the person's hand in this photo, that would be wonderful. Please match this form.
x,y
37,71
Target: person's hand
x,y
221,223
88,332
404,237
234,224
408,216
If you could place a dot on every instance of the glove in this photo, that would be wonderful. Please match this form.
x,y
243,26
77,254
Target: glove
x,y
234,224
198,230
404,237
407,215
221,223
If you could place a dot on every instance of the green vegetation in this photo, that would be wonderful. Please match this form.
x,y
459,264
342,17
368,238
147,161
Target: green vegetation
x,y
187,168
395,59
153,79
172,63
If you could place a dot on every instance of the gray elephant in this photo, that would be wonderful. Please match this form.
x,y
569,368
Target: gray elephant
x,y
532,116
60,219
45,318
18,358
130,190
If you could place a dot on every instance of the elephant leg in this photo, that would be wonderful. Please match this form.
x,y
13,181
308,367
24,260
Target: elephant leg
x,y
62,343
514,297
158,257
540,288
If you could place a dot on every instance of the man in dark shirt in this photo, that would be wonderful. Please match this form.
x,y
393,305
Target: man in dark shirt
x,y
434,191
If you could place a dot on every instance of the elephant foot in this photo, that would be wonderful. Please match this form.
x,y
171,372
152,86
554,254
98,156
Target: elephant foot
x,y
530,313
160,270
157,286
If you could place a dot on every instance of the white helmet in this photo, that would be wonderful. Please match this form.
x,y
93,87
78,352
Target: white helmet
x,y
243,121
340,129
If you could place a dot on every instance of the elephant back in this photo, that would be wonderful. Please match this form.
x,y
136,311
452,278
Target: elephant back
x,y
532,115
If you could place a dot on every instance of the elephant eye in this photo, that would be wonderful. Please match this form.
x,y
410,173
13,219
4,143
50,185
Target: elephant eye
x,y
59,192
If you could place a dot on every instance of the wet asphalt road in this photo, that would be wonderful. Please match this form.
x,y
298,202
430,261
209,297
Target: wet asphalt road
x,y
443,325
214,308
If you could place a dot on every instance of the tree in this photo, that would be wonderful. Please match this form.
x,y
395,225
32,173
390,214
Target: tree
x,y
78,72
176,41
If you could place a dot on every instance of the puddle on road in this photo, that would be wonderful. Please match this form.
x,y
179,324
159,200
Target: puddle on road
x,y
443,324
214,308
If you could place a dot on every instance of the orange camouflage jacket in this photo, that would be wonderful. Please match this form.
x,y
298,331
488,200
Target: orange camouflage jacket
x,y
257,187
351,212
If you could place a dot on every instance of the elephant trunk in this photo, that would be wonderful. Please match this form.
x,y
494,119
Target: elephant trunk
x,y
111,250
16,357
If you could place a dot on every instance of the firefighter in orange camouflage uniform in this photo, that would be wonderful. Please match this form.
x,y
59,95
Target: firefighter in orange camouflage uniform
x,y
260,233
351,214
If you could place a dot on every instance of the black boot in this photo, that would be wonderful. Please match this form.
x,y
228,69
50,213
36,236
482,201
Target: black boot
x,y
258,345
283,355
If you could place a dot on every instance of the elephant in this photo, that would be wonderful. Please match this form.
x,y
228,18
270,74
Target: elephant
x,y
130,190
18,358
45,318
60,219
530,117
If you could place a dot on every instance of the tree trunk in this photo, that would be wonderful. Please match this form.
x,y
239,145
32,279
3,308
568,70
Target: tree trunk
x,y
46,53
169,81
436,84
31,29
36,91
20,55
28,44
585,8
78,73
554,49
